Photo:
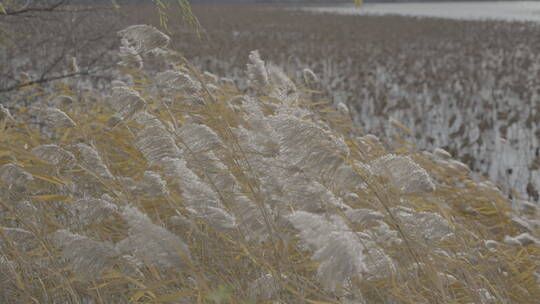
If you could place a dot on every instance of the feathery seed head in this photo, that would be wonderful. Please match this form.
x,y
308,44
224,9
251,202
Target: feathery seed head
x,y
175,81
342,253
22,239
282,86
91,160
87,211
310,77
198,195
153,243
442,154
129,56
127,102
425,225
53,117
522,240
199,138
88,258
54,155
144,38
4,113
256,71
308,146
403,174
154,185
15,175
154,140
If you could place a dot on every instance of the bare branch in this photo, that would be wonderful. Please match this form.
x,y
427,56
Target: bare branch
x,y
47,79
27,8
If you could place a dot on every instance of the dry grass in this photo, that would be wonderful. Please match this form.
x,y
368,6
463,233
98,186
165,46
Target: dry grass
x,y
179,188
466,86
469,87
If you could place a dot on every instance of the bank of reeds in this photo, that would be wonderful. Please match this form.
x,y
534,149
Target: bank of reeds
x,y
175,187
468,86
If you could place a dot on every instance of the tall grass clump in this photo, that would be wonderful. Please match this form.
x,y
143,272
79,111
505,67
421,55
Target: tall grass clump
x,y
469,87
175,187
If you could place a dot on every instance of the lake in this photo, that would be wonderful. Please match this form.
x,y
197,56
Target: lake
x,y
510,11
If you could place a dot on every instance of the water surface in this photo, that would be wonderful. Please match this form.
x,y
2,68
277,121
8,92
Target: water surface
x,y
510,11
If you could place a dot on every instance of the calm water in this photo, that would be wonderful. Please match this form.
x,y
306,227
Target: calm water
x,y
517,10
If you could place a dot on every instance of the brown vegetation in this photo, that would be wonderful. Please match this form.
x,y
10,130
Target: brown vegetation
x,y
176,187
470,87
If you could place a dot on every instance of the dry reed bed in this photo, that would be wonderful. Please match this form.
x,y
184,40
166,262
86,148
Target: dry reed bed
x,y
469,87
175,187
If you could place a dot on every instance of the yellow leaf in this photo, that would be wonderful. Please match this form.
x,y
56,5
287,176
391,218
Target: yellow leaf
x,y
173,296
313,91
324,102
309,265
53,197
130,279
222,171
50,179
109,283
401,126
137,296
141,81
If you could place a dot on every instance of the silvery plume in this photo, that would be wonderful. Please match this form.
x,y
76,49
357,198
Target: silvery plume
x,y
424,226
88,258
154,140
281,86
308,146
310,77
21,239
199,138
153,243
144,38
403,174
91,160
12,174
4,113
199,196
201,144
342,253
127,102
176,81
309,195
53,155
153,185
522,240
256,71
129,55
87,211
53,117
